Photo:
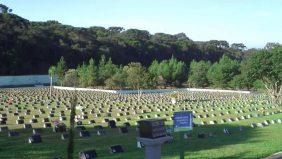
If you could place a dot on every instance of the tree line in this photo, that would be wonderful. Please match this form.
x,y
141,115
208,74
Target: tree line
x,y
28,47
262,69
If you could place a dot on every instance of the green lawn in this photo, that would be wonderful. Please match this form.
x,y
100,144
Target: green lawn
x,y
250,143
218,107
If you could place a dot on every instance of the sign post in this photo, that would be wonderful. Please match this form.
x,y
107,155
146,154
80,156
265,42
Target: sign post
x,y
182,122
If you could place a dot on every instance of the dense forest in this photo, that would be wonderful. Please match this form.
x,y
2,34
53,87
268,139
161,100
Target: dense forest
x,y
31,47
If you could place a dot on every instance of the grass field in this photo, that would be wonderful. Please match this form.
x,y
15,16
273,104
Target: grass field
x,y
249,143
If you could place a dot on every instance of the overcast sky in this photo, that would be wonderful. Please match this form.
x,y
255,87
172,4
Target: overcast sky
x,y
253,22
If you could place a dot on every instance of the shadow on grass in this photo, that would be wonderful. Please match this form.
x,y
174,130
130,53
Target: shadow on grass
x,y
196,100
52,145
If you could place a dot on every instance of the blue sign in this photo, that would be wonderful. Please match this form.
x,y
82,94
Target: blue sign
x,y
182,121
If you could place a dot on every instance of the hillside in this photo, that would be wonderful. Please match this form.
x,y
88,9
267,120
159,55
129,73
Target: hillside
x,y
31,47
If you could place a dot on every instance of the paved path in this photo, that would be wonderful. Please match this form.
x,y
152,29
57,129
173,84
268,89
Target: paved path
x,y
153,90
275,156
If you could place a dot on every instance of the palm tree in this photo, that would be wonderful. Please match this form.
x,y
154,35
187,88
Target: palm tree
x,y
51,72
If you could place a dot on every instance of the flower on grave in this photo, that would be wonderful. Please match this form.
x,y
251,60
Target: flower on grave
x,y
174,95
77,118
173,98
56,122
10,100
79,107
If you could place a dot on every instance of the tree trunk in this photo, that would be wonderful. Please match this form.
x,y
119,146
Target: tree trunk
x,y
274,90
51,84
72,123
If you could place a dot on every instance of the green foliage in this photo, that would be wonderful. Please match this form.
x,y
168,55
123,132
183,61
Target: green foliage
x,y
246,81
83,75
106,69
222,72
4,8
71,78
88,74
154,76
172,71
117,81
238,82
52,71
154,68
32,47
266,66
92,73
198,73
179,71
60,70
238,46
258,85
136,75
226,73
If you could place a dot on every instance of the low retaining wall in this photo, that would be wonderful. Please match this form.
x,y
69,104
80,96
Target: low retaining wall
x,y
151,91
216,90
26,80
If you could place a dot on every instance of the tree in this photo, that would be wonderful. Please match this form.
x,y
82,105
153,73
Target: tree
x,y
115,30
222,72
4,9
60,70
266,65
71,78
135,75
23,46
154,74
238,46
82,73
181,36
179,74
154,68
106,69
135,35
242,80
271,45
238,82
92,73
219,43
117,81
51,72
198,73
173,71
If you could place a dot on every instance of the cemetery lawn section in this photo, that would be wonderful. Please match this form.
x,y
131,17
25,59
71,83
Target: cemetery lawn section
x,y
212,113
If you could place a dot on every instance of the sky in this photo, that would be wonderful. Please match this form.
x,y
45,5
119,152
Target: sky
x,y
252,22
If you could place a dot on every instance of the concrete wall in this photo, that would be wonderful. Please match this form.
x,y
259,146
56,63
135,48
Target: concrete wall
x,y
26,80
152,91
